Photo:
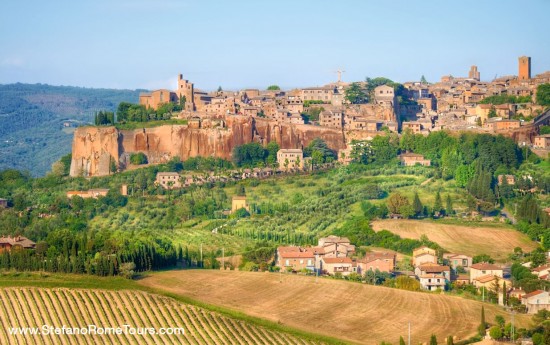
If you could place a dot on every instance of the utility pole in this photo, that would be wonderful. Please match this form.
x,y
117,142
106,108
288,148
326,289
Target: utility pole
x,y
483,293
409,333
512,333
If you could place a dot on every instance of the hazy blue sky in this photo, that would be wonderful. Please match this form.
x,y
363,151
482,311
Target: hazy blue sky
x,y
237,44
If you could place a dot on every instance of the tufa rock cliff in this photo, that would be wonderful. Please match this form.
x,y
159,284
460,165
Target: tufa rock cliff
x,y
95,149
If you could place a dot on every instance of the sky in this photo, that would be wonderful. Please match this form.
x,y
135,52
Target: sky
x,y
139,44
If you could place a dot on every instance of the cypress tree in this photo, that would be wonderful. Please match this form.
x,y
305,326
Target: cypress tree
x,y
401,341
482,326
449,205
450,340
438,205
417,205
433,340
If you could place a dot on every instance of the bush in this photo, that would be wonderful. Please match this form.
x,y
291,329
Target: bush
x,y
138,158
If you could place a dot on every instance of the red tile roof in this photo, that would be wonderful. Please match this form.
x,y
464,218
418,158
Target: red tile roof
x,y
534,293
485,266
337,260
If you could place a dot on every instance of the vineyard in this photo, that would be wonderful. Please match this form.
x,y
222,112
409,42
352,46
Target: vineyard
x,y
34,307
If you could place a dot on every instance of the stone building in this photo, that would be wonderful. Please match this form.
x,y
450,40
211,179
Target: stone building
x,y
290,158
155,98
524,66
168,180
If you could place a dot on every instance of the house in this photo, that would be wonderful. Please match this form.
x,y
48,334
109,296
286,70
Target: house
x,y
331,265
238,202
456,260
290,158
461,279
414,126
516,293
384,95
424,255
489,282
432,282
92,193
168,180
15,243
412,159
510,179
383,262
3,203
334,246
542,141
541,271
483,269
535,301
430,268
295,258
331,118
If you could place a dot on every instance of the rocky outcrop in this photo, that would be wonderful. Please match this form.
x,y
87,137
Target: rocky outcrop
x,y
96,149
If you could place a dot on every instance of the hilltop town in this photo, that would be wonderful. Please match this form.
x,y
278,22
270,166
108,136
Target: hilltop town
x,y
343,114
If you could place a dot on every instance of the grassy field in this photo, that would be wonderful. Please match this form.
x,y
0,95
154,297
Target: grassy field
x,y
498,241
356,312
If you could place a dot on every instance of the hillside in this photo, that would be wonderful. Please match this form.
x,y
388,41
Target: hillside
x,y
32,135
497,241
22,307
357,312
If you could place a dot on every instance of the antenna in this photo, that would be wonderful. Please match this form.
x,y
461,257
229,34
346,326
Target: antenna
x,y
339,72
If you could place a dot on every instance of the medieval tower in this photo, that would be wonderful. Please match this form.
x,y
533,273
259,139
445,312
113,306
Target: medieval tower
x,y
185,89
524,68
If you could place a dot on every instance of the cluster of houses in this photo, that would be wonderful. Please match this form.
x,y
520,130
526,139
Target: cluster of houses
x,y
335,256
287,160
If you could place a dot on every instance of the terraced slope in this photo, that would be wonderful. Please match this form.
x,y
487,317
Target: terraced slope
x,y
35,307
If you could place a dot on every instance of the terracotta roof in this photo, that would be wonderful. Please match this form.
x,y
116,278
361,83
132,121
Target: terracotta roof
x,y
337,260
485,266
541,268
369,257
463,277
306,254
18,240
534,293
431,268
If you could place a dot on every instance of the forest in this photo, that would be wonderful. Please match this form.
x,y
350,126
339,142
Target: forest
x,y
32,118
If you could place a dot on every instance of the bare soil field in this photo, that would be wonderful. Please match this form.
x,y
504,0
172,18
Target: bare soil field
x,y
495,241
352,311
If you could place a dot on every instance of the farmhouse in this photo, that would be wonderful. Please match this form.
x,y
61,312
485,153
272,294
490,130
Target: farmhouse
x,y
383,262
536,300
334,246
168,180
430,268
510,179
238,202
541,271
92,193
336,265
483,269
295,258
542,141
432,282
290,158
424,255
411,159
456,260
13,243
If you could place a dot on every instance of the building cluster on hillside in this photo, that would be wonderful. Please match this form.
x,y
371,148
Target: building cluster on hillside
x,y
10,243
337,256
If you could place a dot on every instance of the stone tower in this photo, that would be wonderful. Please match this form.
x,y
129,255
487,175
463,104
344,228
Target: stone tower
x,y
524,68
474,73
186,89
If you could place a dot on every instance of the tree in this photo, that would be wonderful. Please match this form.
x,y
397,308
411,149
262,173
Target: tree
x,y
495,332
401,341
240,190
438,205
423,80
449,205
127,269
418,208
220,89
492,112
273,87
355,94
138,158
450,340
433,340
482,325
543,94
396,201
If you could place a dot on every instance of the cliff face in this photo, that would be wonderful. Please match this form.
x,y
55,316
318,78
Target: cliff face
x,y
94,148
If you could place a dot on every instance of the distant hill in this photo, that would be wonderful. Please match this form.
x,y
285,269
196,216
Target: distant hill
x,y
32,118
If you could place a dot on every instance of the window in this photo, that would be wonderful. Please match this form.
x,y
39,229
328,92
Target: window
x,y
287,262
301,262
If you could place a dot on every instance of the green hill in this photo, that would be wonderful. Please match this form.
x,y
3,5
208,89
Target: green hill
x,y
32,117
